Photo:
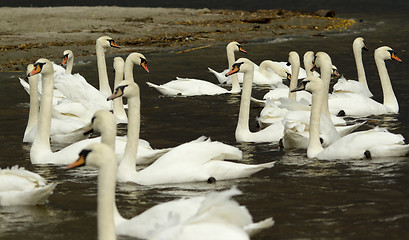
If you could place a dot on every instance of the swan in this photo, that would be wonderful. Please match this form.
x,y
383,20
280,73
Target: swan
x,y
196,87
153,221
360,86
297,121
188,162
68,60
234,80
243,134
62,130
357,105
22,187
40,152
377,142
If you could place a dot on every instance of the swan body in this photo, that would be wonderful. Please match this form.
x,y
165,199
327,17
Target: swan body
x,y
188,162
352,86
188,87
22,187
153,222
377,142
196,87
358,105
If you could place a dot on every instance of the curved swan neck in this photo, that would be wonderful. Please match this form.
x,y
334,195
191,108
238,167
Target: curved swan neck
x,y
359,64
42,140
244,113
307,59
134,116
314,144
104,87
34,103
235,85
389,98
106,200
295,70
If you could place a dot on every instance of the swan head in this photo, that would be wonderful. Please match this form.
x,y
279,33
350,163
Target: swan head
x,y
386,53
67,55
43,66
94,155
138,59
308,59
359,44
241,65
280,71
235,47
126,88
101,120
293,58
106,42
322,59
310,84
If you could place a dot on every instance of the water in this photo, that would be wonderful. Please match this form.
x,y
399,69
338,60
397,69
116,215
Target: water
x,y
308,199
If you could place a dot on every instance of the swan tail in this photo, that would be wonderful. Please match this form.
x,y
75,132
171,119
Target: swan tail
x,y
345,130
222,79
25,85
164,90
254,228
262,103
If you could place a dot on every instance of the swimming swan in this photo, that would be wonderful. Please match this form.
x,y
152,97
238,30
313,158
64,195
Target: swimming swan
x,y
153,222
377,142
188,162
22,187
357,105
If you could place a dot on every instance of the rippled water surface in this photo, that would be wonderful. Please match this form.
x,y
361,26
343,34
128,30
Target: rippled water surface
x,y
308,199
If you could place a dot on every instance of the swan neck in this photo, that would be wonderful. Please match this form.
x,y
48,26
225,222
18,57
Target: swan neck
x,y
42,138
106,200
104,87
34,103
235,85
389,98
118,105
244,113
295,70
326,71
129,69
360,66
314,144
70,64
134,117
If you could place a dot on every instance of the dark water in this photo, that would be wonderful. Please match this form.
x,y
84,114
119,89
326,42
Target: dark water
x,y
309,199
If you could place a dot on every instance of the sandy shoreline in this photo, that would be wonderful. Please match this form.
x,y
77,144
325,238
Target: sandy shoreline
x,y
30,33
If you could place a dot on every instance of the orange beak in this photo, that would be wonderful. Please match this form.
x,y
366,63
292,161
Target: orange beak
x,y
242,50
78,163
36,70
313,67
113,44
234,70
64,60
394,57
144,65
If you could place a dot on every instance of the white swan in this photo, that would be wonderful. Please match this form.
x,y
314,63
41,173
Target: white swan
x,y
243,134
22,187
68,61
234,80
40,152
297,121
357,104
153,221
189,162
377,142
62,130
360,86
196,87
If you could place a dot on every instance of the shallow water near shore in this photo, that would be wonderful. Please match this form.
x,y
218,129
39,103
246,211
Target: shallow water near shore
x,y
308,199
